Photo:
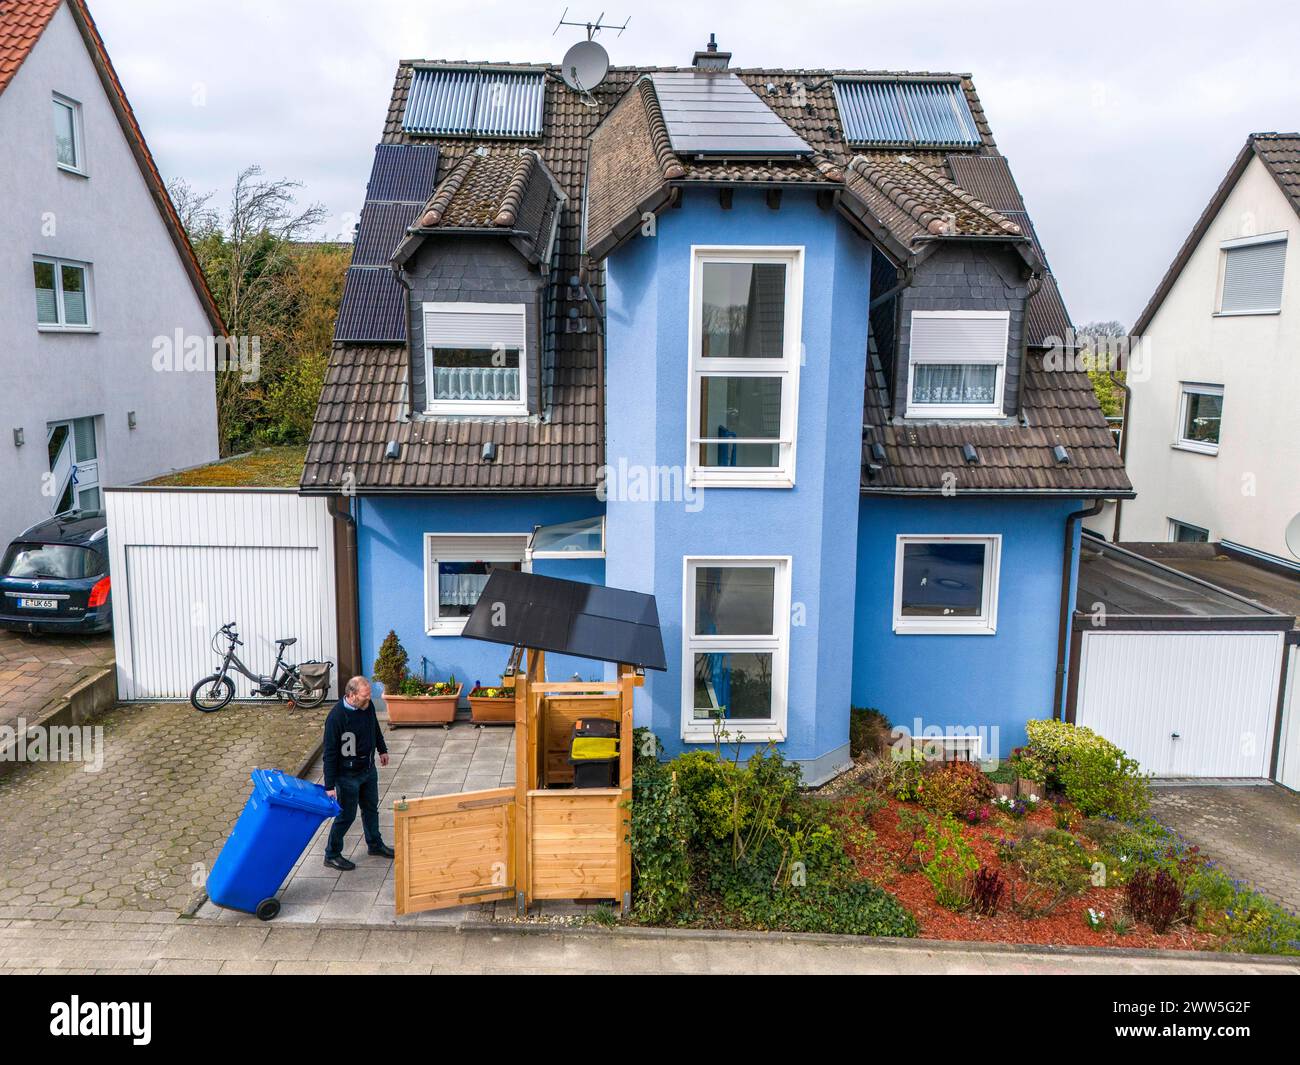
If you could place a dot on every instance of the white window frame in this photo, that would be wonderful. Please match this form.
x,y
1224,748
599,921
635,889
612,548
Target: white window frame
x,y
753,730
1280,237
497,547
786,368
986,624
78,135
62,326
1202,447
471,408
544,554
995,409
1175,524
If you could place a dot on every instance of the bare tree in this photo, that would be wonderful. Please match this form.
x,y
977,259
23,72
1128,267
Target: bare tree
x,y
193,207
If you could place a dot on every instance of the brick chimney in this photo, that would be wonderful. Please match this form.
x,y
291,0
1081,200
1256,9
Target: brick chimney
x,y
711,58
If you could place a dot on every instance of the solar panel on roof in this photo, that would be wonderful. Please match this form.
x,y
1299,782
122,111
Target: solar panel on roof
x,y
403,173
383,227
568,617
373,309
475,102
913,111
718,114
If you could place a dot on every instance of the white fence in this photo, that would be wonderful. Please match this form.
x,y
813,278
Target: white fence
x,y
1184,704
186,562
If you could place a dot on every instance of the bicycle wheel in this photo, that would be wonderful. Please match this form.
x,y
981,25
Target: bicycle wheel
x,y
307,698
212,694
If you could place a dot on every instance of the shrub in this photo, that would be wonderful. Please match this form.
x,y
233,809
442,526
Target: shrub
x,y
661,824
986,890
1003,773
1155,897
869,732
1055,872
951,788
390,666
1095,775
948,863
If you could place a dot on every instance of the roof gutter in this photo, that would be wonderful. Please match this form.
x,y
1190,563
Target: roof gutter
x,y
1067,579
1123,444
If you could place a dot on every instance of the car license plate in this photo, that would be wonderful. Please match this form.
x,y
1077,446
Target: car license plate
x,y
38,604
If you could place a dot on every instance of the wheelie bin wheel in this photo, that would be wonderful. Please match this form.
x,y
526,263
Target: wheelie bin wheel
x,y
268,909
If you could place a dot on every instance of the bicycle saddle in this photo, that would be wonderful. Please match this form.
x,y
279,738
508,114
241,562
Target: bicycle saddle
x,y
286,643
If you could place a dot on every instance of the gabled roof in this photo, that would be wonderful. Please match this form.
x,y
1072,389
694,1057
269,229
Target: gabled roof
x,y
22,22
613,161
1280,154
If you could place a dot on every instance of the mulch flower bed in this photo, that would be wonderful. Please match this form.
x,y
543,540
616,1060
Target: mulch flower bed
x,y
879,861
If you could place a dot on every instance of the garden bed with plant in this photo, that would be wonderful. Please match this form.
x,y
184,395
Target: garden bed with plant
x,y
1051,848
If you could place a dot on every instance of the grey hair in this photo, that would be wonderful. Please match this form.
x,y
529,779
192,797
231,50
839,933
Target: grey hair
x,y
354,685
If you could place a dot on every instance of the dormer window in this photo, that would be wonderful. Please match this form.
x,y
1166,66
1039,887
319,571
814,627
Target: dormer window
x,y
958,364
476,358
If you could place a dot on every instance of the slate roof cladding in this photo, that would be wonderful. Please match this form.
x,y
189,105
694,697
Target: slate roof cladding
x,y
633,168
1280,154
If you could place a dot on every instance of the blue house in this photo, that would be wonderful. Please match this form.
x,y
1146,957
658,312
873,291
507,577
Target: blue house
x,y
779,347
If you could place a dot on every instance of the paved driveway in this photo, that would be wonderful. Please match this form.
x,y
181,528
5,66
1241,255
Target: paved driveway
x,y
140,833
1254,832
37,669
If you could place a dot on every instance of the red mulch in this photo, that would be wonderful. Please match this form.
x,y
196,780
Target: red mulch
x,y
1065,926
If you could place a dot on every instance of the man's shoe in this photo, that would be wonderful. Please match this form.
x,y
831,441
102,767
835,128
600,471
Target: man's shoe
x,y
383,851
341,864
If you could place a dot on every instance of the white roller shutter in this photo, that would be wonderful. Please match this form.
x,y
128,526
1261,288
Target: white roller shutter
x,y
475,325
1252,276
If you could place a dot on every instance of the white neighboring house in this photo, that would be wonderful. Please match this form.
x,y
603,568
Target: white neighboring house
x,y
94,267
1212,445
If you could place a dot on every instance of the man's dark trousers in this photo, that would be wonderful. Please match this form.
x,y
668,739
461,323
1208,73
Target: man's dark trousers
x,y
360,786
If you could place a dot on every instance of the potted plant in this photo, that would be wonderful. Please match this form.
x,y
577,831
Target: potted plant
x,y
492,706
1003,779
410,700
1030,775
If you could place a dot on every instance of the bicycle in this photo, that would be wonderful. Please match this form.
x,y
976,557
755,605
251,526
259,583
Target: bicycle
x,y
304,685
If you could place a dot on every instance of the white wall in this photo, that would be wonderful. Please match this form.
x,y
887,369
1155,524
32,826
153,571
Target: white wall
x,y
141,292
1256,359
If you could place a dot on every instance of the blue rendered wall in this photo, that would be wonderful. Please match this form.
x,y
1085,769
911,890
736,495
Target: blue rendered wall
x,y
1002,680
390,562
648,286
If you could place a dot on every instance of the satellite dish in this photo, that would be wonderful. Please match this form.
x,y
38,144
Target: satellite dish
x,y
585,66
1293,536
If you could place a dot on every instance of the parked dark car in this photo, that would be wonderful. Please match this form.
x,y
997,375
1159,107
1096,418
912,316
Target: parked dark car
x,y
54,577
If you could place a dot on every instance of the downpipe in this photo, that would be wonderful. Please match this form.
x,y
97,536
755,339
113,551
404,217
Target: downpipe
x,y
1063,632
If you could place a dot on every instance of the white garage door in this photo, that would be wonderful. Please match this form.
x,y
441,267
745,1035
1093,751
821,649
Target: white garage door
x,y
186,563
1187,704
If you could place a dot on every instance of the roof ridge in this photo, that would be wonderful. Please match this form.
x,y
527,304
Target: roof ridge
x,y
669,164
446,192
510,202
975,204
932,221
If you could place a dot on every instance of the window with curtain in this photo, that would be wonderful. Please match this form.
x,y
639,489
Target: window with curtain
x,y
746,327
475,358
62,294
457,569
736,652
958,362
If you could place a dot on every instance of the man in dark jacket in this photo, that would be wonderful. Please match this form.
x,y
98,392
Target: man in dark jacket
x,y
352,739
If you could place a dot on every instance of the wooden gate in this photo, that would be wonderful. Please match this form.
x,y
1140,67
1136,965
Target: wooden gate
x,y
455,850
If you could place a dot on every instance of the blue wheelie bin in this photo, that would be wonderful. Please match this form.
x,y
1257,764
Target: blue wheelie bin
x,y
278,822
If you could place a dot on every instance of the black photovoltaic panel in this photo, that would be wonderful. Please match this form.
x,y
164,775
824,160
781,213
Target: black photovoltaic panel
x,y
571,618
403,173
373,309
383,227
718,114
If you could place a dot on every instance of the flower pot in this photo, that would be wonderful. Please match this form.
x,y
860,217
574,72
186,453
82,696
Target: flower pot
x,y
1004,791
488,710
1026,787
422,709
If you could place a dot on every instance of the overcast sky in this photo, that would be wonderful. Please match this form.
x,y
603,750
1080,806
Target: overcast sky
x,y
1119,117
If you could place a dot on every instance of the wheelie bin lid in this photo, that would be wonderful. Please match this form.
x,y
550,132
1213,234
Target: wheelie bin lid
x,y
594,750
275,787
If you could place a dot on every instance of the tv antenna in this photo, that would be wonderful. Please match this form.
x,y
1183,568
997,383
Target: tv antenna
x,y
592,28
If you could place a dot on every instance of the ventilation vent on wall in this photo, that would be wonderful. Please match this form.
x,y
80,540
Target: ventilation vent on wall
x,y
927,113
475,102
